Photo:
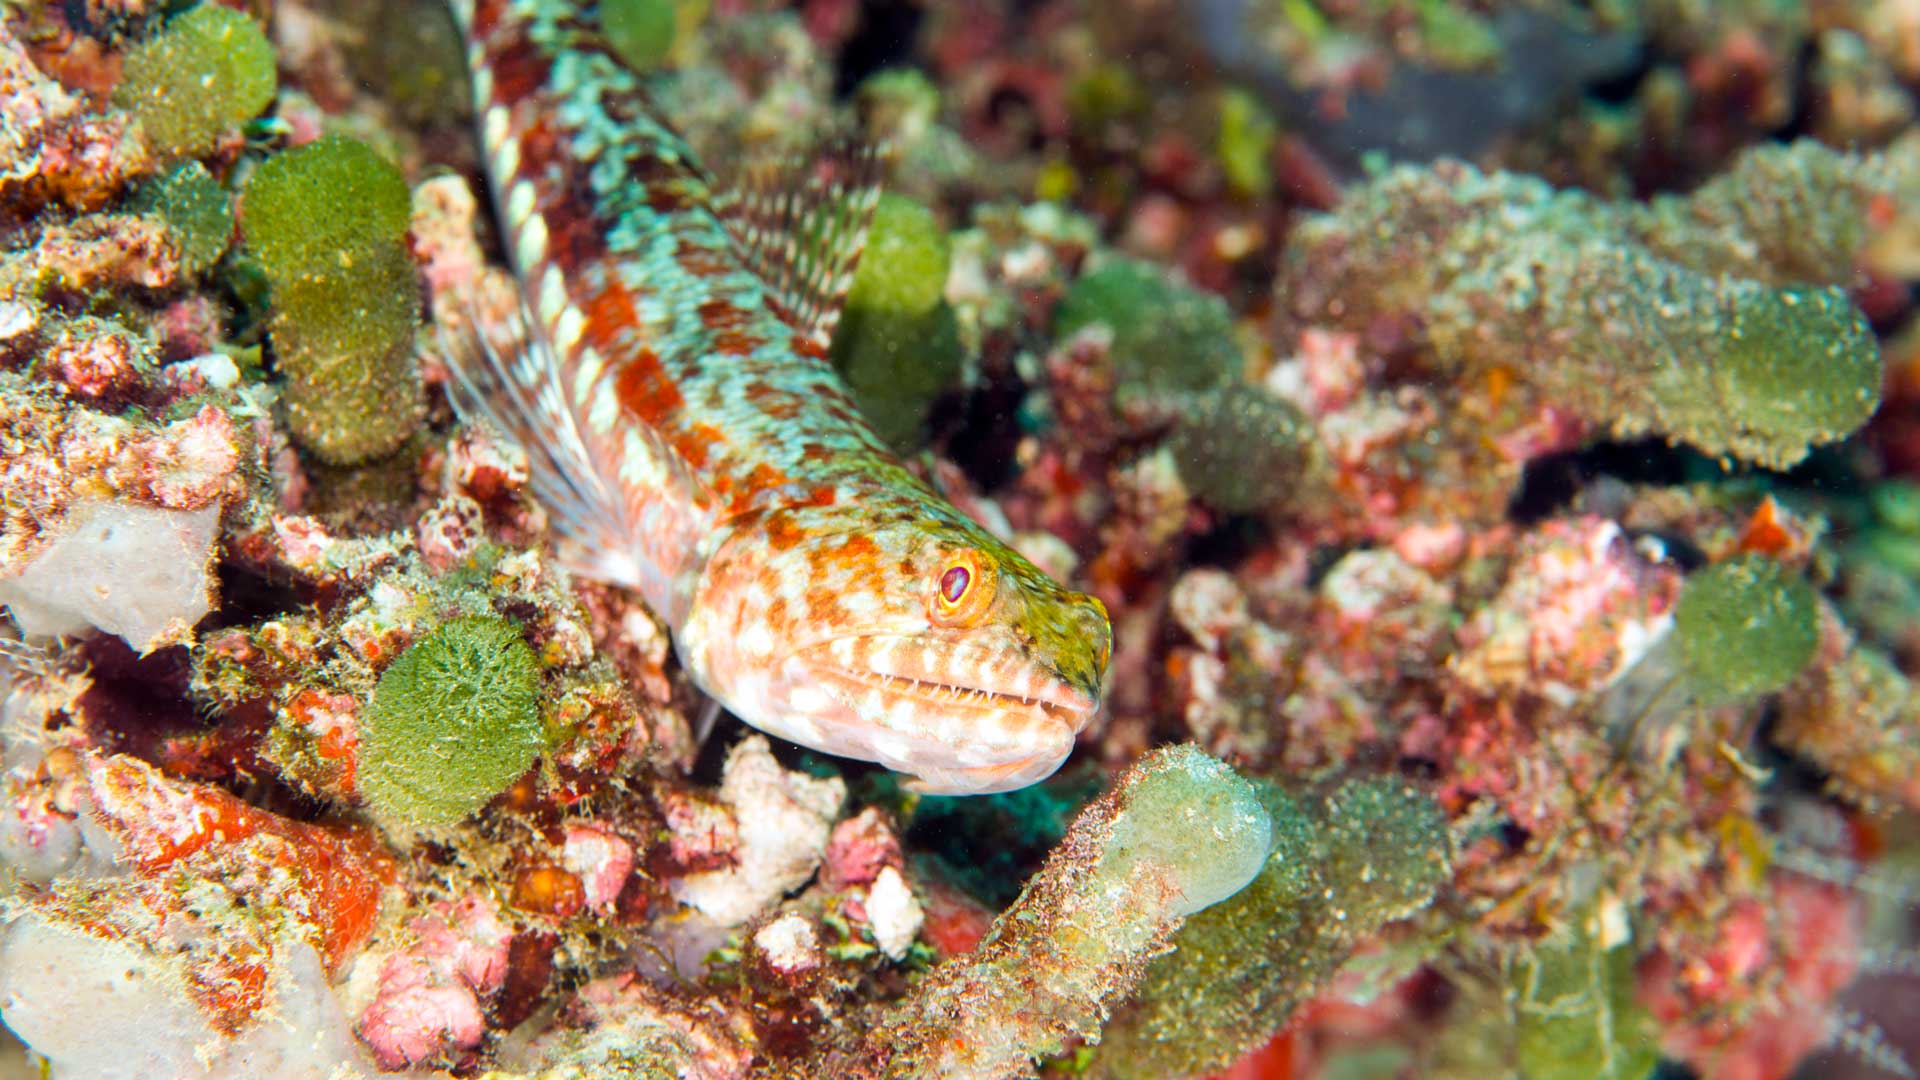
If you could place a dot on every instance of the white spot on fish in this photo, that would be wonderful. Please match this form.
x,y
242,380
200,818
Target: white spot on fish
x,y
520,201
553,287
496,130
506,154
809,699
533,242
566,334
757,641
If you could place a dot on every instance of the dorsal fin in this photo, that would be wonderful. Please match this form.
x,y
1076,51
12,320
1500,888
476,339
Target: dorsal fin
x,y
800,222
616,498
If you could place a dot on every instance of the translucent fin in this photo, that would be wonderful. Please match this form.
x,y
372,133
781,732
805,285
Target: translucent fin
x,y
1860,1038
800,223
617,502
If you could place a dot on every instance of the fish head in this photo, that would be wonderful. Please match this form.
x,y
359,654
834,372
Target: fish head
x,y
914,638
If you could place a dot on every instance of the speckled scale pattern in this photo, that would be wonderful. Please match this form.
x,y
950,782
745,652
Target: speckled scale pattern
x,y
691,439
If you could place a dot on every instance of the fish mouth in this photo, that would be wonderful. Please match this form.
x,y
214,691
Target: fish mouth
x,y
1028,690
1072,713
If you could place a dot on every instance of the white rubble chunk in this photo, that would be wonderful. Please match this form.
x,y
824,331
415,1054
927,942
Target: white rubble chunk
x,y
894,913
784,820
131,570
57,984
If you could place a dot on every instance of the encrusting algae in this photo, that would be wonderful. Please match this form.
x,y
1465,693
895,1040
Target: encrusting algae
x,y
1259,539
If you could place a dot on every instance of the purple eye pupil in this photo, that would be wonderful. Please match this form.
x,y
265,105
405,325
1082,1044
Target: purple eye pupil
x,y
953,583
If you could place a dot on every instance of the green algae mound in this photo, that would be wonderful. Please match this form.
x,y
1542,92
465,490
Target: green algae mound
x,y
642,33
454,721
327,224
898,345
1799,366
198,212
1240,449
904,265
1745,626
1338,869
210,70
1711,319
1166,336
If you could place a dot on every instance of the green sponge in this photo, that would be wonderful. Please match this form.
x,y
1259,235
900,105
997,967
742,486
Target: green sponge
x,y
642,33
1799,366
1240,449
198,212
1165,336
899,344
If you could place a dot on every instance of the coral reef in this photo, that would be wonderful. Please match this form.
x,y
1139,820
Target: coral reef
x,y
1493,431
1699,320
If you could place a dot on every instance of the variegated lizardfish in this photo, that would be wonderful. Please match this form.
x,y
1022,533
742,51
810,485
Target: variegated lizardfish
x,y
690,439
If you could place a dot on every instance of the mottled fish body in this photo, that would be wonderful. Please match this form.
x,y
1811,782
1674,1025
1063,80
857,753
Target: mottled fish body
x,y
690,439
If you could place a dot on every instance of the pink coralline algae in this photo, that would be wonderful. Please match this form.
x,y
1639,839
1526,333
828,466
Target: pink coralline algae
x,y
430,994
52,149
1580,609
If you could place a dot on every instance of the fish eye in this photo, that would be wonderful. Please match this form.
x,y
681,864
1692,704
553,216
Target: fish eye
x,y
954,585
962,589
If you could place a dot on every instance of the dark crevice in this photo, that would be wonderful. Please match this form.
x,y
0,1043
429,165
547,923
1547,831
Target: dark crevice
x,y
1229,542
1551,483
979,431
248,597
886,36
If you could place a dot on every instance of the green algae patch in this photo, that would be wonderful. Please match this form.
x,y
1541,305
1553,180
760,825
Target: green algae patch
x,y
1166,336
1245,143
644,33
327,224
1799,366
904,266
898,345
318,203
1240,449
206,73
454,721
1575,1014
1745,626
197,211
897,364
